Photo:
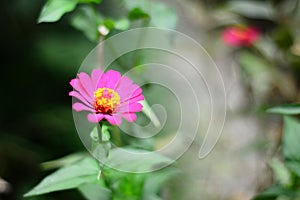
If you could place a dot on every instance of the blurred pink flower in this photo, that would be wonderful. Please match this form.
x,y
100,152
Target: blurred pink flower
x,y
240,36
107,96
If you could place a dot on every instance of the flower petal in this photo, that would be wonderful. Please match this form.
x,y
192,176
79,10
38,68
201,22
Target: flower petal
x,y
95,118
86,82
80,97
112,78
81,107
130,117
73,81
101,81
114,119
96,76
80,89
134,99
125,108
126,95
124,84
129,92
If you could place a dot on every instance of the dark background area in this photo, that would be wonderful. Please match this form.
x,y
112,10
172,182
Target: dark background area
x,y
36,117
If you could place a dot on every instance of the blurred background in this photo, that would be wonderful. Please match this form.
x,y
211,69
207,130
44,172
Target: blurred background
x,y
260,71
36,119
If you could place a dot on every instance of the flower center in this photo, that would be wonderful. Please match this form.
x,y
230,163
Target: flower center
x,y
106,100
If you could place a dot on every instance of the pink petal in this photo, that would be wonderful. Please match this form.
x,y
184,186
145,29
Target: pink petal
x,y
129,92
230,39
237,36
124,84
73,81
96,75
130,117
80,97
95,118
112,78
137,91
125,96
134,99
80,89
86,82
114,119
101,81
253,35
81,107
134,107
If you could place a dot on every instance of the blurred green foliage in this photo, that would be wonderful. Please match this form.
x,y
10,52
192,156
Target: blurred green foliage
x,y
38,60
286,168
270,72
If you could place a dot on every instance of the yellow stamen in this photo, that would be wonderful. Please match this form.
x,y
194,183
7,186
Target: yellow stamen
x,y
106,100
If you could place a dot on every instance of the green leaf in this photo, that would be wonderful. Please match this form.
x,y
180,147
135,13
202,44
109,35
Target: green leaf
x,y
118,158
122,24
92,191
281,172
253,64
94,134
273,192
291,138
130,186
160,14
137,13
67,160
155,181
283,37
294,167
102,150
132,4
252,9
89,1
125,186
290,109
109,23
105,133
84,171
53,10
87,20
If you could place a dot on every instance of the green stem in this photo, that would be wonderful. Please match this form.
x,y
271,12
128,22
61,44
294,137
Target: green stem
x,y
99,129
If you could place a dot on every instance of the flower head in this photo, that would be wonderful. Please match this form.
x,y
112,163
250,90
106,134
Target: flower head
x,y
107,96
240,36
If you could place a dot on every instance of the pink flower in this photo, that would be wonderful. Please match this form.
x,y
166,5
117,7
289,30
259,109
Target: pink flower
x,y
240,36
107,96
